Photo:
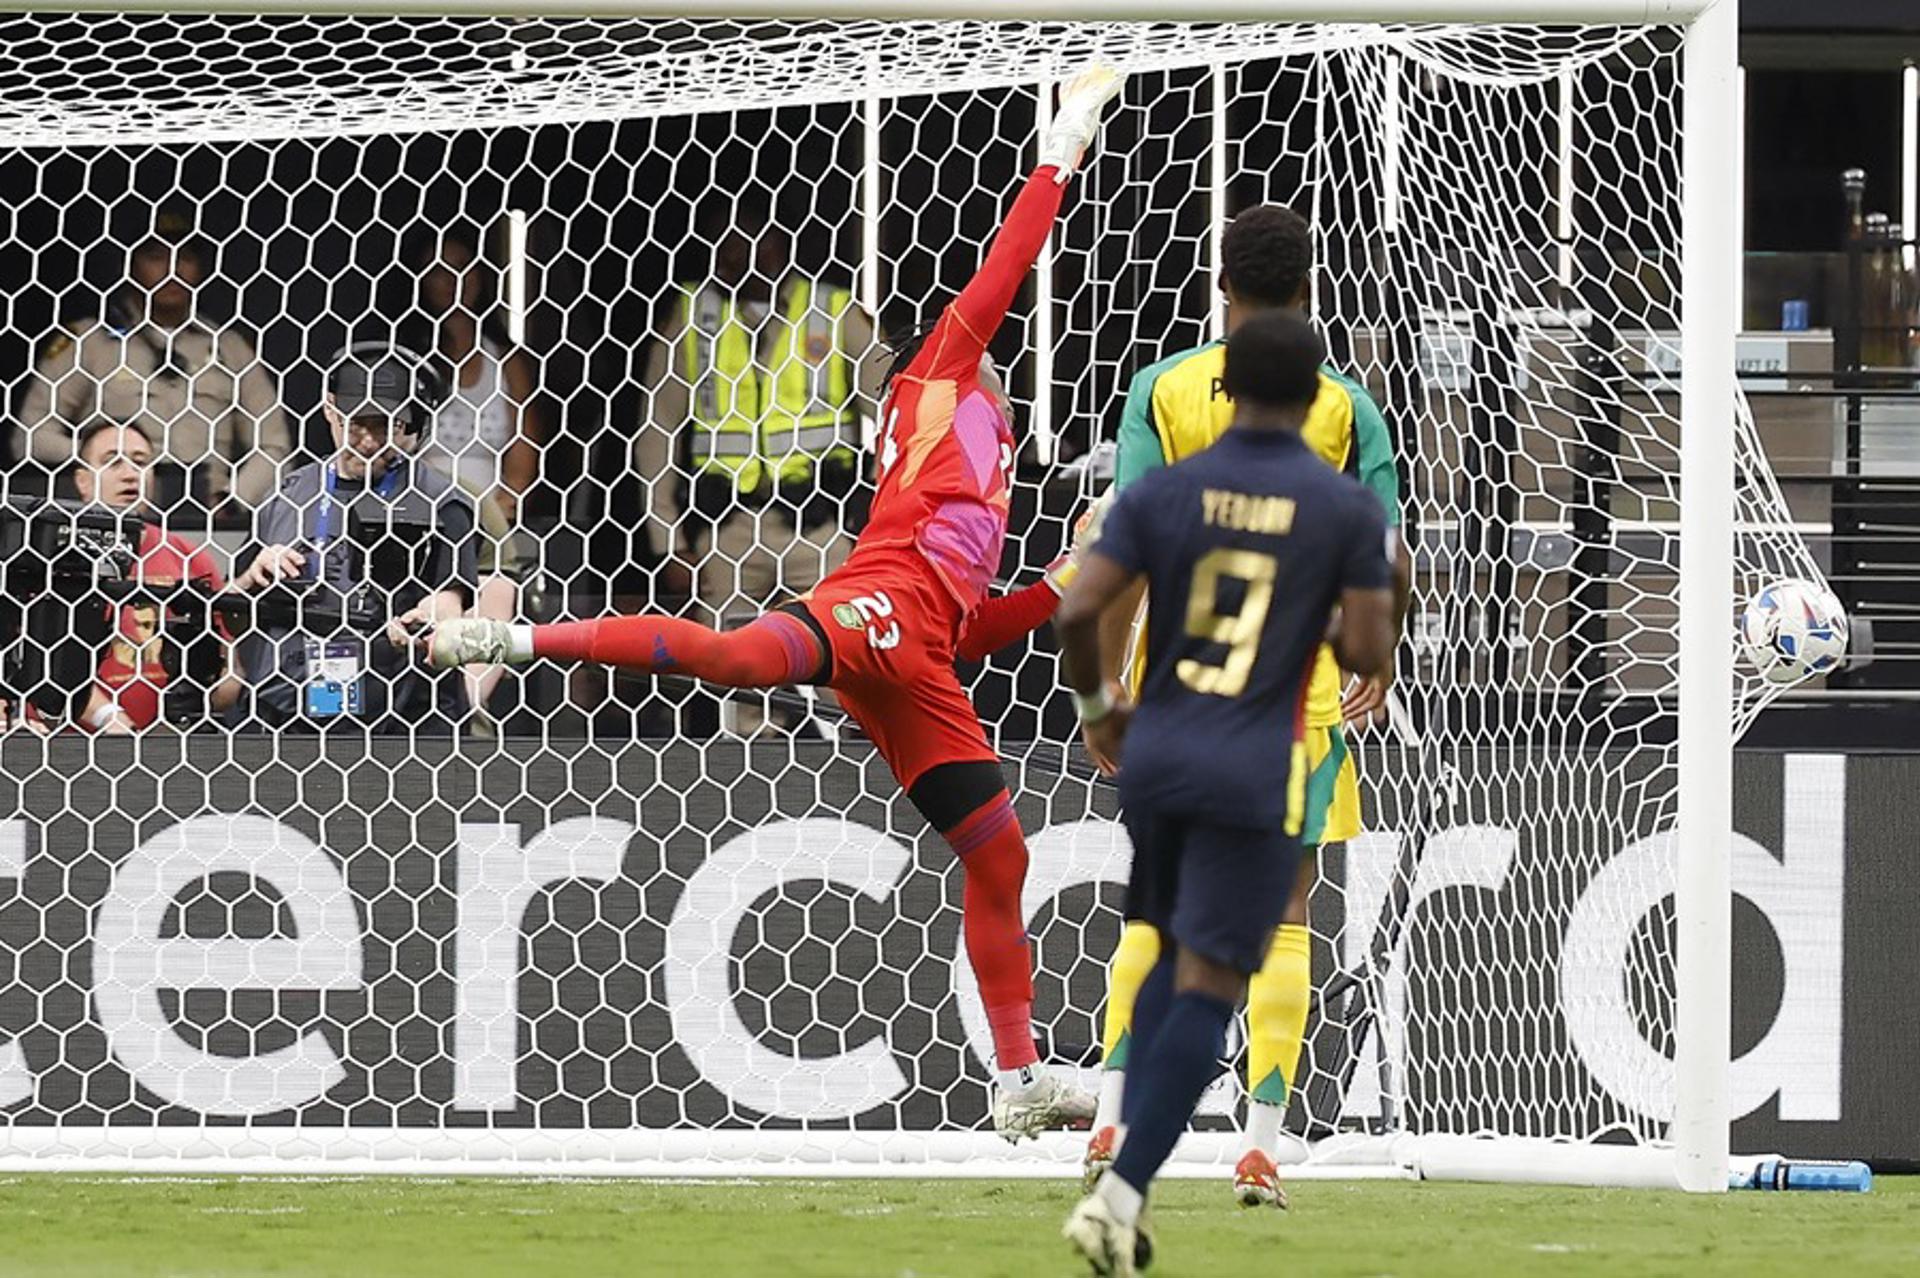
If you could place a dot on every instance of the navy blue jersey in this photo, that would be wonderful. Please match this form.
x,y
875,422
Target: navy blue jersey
x,y
1246,548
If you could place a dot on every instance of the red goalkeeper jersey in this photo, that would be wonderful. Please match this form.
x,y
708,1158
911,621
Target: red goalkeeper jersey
x,y
946,449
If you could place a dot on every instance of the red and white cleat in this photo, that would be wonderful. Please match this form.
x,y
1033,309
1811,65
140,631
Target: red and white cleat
x,y
1100,1151
1256,1182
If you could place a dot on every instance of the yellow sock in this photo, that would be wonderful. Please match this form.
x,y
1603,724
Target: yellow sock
x,y
1133,958
1277,1015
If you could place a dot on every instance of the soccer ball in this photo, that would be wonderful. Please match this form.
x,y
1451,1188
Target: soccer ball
x,y
1793,630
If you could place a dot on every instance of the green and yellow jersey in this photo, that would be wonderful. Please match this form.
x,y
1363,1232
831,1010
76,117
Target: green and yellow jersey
x,y
1177,408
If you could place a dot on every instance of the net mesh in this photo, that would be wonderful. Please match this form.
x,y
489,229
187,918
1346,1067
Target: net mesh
x,y
592,921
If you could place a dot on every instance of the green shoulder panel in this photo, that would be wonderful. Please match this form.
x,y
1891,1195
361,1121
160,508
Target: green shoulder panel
x,y
1372,447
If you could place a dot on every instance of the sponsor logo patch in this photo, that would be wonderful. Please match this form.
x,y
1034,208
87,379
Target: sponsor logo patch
x,y
848,617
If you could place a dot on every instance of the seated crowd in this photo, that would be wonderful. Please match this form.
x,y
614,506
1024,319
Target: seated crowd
x,y
311,565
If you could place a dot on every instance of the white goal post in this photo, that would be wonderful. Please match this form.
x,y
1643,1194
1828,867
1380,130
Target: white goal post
x,y
1663,639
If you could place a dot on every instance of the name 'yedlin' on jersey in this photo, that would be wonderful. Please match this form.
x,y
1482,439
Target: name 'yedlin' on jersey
x,y
1245,512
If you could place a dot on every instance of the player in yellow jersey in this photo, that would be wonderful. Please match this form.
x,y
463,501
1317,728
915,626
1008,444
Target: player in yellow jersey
x,y
1174,409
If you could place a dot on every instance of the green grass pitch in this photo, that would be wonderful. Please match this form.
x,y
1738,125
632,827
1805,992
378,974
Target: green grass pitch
x,y
221,1227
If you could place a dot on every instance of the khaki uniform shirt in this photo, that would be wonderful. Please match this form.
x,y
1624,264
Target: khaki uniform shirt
x,y
667,406
199,393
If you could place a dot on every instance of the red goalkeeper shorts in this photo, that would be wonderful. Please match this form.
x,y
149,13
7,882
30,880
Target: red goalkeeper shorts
x,y
892,628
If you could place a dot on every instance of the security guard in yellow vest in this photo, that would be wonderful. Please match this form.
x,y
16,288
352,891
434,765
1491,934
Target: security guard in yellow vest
x,y
756,385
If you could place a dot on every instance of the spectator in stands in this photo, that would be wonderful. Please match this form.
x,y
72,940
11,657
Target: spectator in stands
x,y
486,436
194,387
489,431
115,469
755,388
368,524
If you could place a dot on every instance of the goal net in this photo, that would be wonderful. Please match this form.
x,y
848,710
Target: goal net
x,y
625,926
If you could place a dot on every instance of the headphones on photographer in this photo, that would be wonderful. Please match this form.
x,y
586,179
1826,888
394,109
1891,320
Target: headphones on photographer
x,y
426,388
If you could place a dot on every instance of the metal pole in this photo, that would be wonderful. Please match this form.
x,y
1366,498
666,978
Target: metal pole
x,y
1909,161
1740,204
870,160
1563,204
1217,202
1316,177
1044,443
517,276
1391,137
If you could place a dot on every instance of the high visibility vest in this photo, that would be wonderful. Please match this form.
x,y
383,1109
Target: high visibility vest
x,y
775,416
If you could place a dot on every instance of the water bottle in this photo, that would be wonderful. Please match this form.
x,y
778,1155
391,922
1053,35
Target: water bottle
x,y
1800,1173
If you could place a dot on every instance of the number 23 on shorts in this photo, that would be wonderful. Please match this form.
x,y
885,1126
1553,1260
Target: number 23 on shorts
x,y
874,613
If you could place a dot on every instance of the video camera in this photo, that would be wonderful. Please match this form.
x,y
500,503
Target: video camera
x,y
57,557
68,567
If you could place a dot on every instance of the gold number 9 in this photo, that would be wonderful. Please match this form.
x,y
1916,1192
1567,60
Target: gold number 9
x,y
1239,631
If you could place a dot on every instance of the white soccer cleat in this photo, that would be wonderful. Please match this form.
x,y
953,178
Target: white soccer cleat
x,y
470,641
1100,1151
1256,1182
1100,1239
1044,1105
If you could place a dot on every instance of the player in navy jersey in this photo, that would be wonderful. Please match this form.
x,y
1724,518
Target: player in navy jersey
x,y
1271,551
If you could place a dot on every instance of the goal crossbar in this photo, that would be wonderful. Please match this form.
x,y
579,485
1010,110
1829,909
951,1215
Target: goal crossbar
x,y
1631,12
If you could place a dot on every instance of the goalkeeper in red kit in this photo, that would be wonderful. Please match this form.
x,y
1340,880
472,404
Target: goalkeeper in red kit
x,y
885,630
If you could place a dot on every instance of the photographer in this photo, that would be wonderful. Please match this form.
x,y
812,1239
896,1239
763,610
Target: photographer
x,y
115,470
356,551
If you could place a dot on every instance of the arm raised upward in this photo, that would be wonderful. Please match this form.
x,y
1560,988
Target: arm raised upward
x,y
968,324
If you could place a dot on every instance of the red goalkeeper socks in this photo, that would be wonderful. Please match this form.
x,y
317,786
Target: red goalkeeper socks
x,y
775,649
989,844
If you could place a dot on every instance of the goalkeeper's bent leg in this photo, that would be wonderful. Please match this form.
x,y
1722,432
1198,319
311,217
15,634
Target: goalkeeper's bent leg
x,y
966,799
968,803
1133,959
773,650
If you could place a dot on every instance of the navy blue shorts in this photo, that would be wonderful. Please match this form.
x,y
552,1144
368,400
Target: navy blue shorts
x,y
1218,890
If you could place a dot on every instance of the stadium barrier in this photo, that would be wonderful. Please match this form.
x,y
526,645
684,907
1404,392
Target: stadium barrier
x,y
599,957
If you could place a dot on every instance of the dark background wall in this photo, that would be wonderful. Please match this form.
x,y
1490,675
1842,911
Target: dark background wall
x,y
1823,95
1841,15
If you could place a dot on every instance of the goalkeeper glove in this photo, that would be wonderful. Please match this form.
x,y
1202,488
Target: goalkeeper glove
x,y
1078,118
1086,531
